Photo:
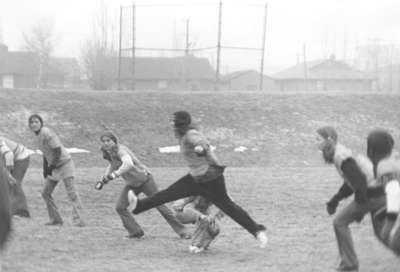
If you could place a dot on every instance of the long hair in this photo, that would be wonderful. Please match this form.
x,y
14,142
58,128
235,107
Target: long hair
x,y
114,138
5,212
379,146
107,154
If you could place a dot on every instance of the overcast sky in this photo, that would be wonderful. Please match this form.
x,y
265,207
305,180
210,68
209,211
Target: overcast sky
x,y
324,26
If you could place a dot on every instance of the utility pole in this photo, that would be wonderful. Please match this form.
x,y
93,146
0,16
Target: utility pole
x,y
217,73
133,86
120,48
187,44
305,68
263,49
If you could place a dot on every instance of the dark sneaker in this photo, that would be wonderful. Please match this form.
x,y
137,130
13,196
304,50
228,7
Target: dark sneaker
x,y
22,213
185,235
347,268
51,223
139,235
80,224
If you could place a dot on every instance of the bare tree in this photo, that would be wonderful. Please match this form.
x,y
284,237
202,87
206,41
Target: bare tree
x,y
98,51
379,58
40,40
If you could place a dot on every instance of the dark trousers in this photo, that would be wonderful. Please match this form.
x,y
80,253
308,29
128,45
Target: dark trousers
x,y
17,195
214,190
149,188
386,230
5,212
353,212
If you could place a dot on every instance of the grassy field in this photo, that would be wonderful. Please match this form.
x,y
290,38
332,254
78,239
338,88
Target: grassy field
x,y
280,179
289,200
277,129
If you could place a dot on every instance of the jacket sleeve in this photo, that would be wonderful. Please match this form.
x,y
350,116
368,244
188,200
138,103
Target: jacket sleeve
x,y
344,192
356,178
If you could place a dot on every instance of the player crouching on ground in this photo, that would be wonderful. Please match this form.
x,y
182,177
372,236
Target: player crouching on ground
x,y
386,167
123,163
357,174
199,211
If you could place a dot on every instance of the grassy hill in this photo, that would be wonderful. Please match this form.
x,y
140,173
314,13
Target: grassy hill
x,y
277,129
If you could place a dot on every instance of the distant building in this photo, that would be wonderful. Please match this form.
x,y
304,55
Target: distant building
x,y
67,71
162,73
20,69
388,78
247,80
324,75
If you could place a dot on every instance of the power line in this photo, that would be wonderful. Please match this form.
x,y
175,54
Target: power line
x,y
241,48
169,49
199,4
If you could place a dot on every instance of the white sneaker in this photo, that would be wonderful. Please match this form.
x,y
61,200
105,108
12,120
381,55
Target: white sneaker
x,y
195,249
262,238
132,199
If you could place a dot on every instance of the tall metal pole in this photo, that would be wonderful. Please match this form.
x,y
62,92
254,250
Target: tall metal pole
x,y
305,68
187,45
133,46
263,49
217,73
120,48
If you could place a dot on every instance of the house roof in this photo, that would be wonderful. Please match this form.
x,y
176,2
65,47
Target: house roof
x,y
27,63
165,68
24,63
322,69
237,74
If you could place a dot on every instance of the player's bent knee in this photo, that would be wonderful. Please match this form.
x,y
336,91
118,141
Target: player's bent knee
x,y
121,209
46,195
338,223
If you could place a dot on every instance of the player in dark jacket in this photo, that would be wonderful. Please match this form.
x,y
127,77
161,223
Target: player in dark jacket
x,y
205,178
357,174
